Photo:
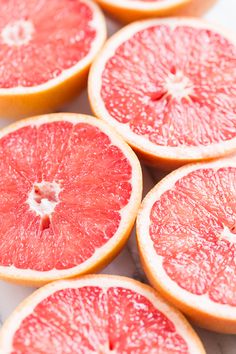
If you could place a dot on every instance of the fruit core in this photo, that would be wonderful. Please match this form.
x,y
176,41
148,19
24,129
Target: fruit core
x,y
43,199
18,33
178,85
229,234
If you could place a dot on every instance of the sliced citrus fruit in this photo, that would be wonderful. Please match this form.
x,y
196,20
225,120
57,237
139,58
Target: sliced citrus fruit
x,y
187,240
97,314
131,10
46,48
70,190
169,87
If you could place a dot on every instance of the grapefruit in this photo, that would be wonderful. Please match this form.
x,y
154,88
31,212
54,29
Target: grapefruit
x,y
97,314
70,191
186,232
131,10
168,86
46,48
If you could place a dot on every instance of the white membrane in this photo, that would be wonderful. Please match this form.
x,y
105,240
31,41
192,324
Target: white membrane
x,y
18,33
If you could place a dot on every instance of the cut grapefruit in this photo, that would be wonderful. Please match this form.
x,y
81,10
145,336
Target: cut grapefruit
x,y
46,48
131,10
97,314
168,86
70,190
187,240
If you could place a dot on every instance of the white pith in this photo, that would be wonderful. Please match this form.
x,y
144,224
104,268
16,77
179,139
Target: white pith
x,y
228,235
138,141
154,261
45,207
98,22
145,5
105,282
128,213
178,85
17,33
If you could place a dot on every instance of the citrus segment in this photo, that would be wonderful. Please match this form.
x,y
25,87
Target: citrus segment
x,y
187,227
98,314
45,45
168,86
59,206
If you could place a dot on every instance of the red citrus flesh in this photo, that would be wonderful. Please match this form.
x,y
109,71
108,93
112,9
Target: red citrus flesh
x,y
104,315
41,39
173,84
193,227
64,185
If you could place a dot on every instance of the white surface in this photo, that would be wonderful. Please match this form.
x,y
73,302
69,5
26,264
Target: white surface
x,y
223,13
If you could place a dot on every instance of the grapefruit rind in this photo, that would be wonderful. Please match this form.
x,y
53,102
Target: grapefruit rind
x,y
200,309
105,282
127,11
108,251
146,5
167,157
27,101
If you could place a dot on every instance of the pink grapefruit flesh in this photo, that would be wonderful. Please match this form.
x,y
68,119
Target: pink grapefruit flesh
x,y
188,224
42,39
118,315
169,84
66,189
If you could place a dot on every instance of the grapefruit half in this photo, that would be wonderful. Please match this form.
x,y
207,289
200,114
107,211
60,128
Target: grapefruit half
x,y
168,87
131,10
97,314
46,48
70,190
186,232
